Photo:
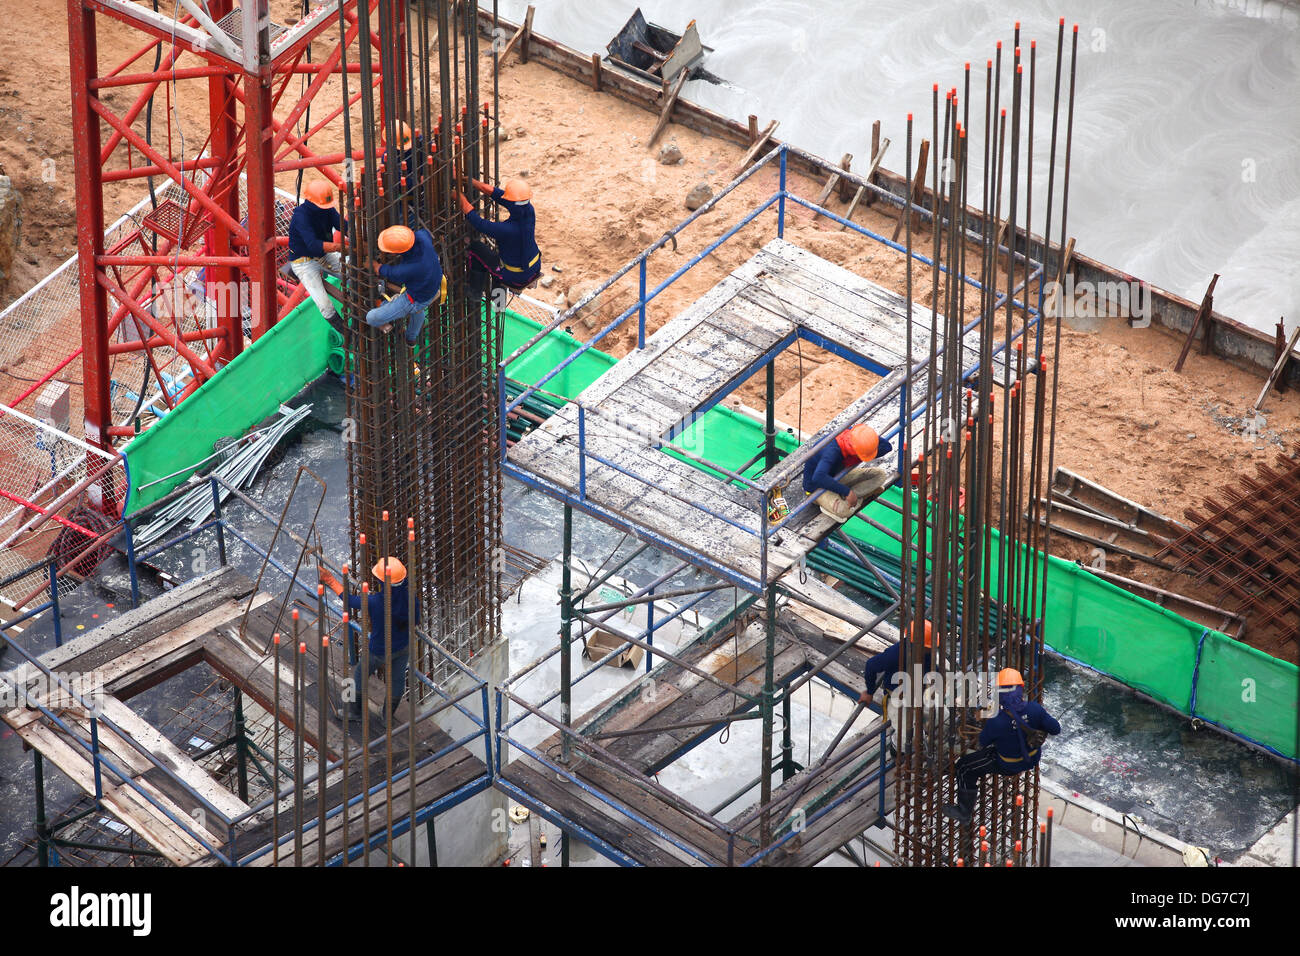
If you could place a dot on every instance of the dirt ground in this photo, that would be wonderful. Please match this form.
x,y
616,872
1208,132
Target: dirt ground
x,y
1125,419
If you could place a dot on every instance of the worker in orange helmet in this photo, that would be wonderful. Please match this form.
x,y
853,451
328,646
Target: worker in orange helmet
x,y
1011,742
392,575
516,262
316,242
418,271
410,159
852,449
886,667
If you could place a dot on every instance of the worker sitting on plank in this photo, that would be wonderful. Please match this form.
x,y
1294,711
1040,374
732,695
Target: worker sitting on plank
x,y
516,262
312,243
1011,742
418,271
851,449
884,668
395,665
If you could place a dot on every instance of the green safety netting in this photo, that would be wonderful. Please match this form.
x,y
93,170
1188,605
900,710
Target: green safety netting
x,y
1176,661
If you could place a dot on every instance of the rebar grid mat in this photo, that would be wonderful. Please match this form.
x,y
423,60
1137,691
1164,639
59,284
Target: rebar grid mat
x,y
423,471
1245,541
984,460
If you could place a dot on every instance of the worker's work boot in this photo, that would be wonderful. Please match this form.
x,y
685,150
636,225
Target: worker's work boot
x,y
835,506
963,809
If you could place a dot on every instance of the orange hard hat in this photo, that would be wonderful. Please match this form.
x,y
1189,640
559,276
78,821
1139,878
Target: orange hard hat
x,y
396,239
1010,677
389,568
403,135
929,632
516,190
864,441
320,192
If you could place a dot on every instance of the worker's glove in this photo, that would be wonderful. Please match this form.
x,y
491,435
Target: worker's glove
x,y
330,581
466,206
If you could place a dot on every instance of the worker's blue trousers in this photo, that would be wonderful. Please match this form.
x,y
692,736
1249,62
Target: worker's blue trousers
x,y
398,307
396,673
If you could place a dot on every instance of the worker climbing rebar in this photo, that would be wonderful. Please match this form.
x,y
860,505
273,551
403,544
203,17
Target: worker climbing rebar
x,y
316,243
853,449
1011,742
394,627
418,271
884,670
516,262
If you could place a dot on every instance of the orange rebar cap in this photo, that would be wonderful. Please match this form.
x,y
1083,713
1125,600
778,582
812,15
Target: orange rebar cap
x,y
396,239
319,192
389,568
1010,677
516,190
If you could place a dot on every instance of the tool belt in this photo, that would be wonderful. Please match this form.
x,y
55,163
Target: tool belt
x,y
521,269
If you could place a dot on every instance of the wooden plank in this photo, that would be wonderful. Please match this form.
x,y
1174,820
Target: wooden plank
x,y
1281,363
666,113
875,149
757,147
917,190
521,34
1207,304
120,800
833,182
90,651
875,164
563,798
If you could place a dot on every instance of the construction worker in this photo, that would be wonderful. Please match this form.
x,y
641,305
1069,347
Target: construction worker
x,y
313,247
853,449
516,262
410,159
418,271
882,668
394,572
1010,742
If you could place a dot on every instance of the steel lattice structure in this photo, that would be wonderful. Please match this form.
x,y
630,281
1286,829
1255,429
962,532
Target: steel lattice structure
x,y
213,202
427,422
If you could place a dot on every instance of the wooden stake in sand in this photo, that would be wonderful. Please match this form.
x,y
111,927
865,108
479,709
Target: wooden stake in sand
x,y
857,197
1274,375
667,111
918,186
757,147
832,181
524,31
1207,305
